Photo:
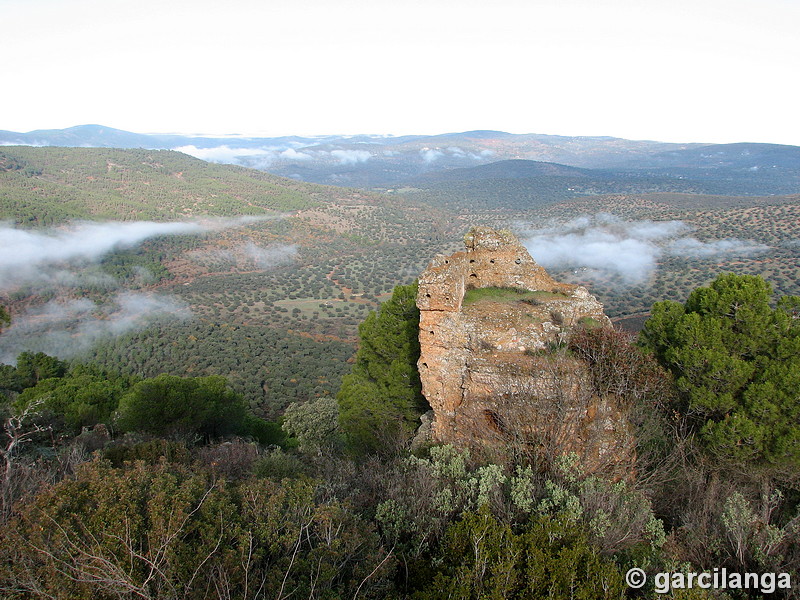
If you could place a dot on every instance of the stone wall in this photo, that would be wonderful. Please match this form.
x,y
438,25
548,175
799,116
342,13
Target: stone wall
x,y
488,369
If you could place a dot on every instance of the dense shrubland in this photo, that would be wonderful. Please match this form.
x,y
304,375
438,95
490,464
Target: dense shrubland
x,y
127,487
270,367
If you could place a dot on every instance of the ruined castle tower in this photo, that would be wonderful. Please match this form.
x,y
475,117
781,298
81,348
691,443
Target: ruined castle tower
x,y
491,322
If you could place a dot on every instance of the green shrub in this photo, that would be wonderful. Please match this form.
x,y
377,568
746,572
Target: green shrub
x,y
169,405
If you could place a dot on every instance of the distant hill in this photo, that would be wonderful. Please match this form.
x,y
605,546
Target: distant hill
x,y
728,156
386,162
99,136
507,169
42,186
359,160
81,136
524,184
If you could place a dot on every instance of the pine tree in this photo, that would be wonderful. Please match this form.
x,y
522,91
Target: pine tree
x,y
736,360
381,400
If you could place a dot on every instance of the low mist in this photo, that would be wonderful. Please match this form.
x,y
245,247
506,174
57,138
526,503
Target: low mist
x,y
68,328
270,256
30,254
606,244
266,157
693,248
49,257
246,257
47,261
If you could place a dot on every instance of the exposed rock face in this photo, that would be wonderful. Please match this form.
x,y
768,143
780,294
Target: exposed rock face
x,y
486,363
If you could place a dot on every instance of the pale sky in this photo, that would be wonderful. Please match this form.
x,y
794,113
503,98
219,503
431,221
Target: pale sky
x,y
669,70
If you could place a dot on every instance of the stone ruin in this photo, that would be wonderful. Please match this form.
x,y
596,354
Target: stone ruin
x,y
489,368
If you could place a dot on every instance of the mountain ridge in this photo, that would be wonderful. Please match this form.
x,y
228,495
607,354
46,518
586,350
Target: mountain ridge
x,y
385,162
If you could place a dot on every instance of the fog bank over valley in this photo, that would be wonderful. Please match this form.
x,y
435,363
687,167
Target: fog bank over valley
x,y
67,328
53,264
46,257
604,244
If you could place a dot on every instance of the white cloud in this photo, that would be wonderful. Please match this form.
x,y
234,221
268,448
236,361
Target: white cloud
x,y
71,327
29,252
260,158
292,154
607,244
270,256
430,155
23,143
351,157
245,256
47,256
228,155
595,248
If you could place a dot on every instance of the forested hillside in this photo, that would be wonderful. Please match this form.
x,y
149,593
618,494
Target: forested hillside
x,y
312,261
268,283
46,186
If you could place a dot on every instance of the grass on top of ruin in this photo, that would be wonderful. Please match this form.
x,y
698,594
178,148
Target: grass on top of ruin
x,y
509,294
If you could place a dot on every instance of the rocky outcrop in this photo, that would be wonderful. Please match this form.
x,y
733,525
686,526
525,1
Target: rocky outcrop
x,y
490,322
